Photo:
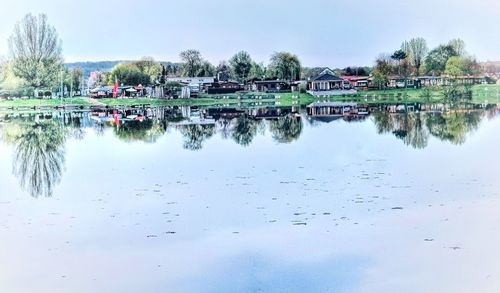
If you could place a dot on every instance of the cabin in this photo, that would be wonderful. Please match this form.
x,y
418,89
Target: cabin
x,y
298,85
101,92
402,82
358,82
470,79
327,81
431,80
223,87
131,91
269,86
195,85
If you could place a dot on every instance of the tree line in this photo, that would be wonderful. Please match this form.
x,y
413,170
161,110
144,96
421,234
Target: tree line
x,y
36,63
414,59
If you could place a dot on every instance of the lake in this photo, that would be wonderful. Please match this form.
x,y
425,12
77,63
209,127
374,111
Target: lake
x,y
250,200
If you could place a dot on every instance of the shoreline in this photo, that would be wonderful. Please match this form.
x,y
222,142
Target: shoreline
x,y
482,94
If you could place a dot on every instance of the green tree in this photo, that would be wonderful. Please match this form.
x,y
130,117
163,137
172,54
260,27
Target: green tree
x,y
128,74
435,62
285,66
72,79
192,62
455,66
148,66
36,53
385,65
258,71
241,64
379,79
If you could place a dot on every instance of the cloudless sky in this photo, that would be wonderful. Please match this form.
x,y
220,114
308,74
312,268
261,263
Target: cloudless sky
x,y
321,32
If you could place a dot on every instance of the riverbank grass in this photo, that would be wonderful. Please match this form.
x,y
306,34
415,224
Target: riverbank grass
x,y
482,94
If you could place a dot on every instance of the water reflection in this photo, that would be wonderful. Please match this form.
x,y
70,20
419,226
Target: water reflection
x,y
415,128
39,157
38,140
195,135
244,130
286,129
148,131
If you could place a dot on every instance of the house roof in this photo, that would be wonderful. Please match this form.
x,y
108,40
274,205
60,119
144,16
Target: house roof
x,y
327,75
269,81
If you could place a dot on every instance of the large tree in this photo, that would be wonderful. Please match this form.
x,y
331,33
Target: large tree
x,y
399,56
416,49
206,69
223,71
241,64
148,66
128,74
435,62
457,66
192,62
258,71
72,79
459,46
285,66
384,66
36,52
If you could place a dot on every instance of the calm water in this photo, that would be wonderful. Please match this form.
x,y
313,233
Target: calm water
x,y
250,200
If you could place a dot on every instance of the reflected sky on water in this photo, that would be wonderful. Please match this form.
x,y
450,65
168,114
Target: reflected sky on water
x,y
249,201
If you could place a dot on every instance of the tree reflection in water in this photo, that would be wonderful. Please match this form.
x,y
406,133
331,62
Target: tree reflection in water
x,y
148,131
286,129
225,127
453,127
39,157
245,130
195,135
414,129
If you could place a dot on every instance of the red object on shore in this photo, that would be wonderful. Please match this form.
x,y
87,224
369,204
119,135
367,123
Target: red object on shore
x,y
115,88
116,118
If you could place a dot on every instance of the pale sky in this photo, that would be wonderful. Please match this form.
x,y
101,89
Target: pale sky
x,y
321,32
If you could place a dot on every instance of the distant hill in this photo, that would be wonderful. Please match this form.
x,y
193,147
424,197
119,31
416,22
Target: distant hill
x,y
102,66
88,67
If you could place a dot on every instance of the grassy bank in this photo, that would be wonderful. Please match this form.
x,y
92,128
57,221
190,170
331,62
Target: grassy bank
x,y
30,103
481,94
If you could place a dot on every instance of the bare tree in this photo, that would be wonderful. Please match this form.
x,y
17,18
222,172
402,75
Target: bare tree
x,y
3,69
192,62
36,52
416,50
459,46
